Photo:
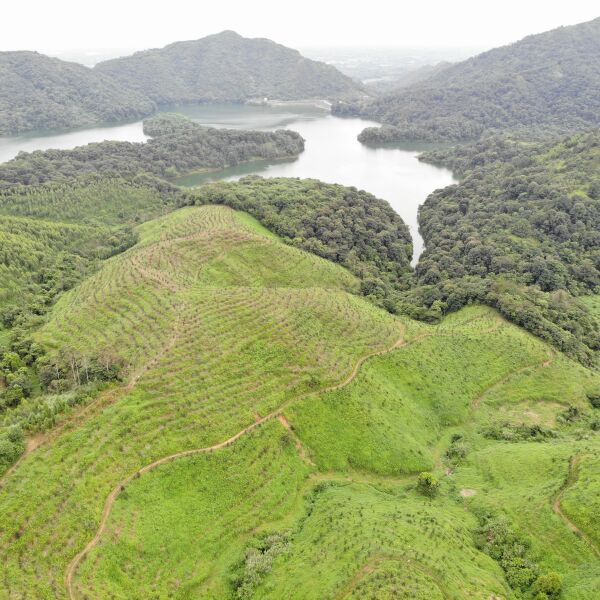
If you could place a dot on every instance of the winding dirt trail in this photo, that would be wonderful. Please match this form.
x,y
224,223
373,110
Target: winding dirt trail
x,y
114,494
571,479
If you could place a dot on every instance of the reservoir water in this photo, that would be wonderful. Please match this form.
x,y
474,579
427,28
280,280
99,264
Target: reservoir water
x,y
332,154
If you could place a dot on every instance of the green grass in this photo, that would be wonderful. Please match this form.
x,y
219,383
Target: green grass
x,y
202,360
217,325
364,531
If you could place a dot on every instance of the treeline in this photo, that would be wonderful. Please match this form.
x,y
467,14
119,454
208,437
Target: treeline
x,y
547,82
345,225
39,92
521,233
181,147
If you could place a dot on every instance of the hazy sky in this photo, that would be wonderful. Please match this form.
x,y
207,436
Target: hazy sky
x,y
59,25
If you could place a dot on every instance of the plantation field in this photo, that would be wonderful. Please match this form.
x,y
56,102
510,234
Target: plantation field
x,y
267,434
202,359
350,523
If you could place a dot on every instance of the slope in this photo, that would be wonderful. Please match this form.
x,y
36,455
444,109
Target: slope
x,y
329,508
39,92
227,68
544,81
214,324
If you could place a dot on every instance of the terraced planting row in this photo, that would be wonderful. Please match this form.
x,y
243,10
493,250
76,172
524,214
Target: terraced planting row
x,y
214,358
352,525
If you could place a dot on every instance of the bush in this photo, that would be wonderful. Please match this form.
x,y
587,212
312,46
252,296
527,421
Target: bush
x,y
594,399
428,484
548,586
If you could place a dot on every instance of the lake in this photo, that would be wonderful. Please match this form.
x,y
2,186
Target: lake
x,y
332,154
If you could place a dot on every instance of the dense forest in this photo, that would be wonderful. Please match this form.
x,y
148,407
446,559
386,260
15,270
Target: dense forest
x,y
227,68
342,224
547,81
180,147
39,92
520,232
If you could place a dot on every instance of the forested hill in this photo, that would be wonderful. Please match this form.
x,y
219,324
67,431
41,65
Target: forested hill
x,y
39,92
178,146
227,68
549,81
520,232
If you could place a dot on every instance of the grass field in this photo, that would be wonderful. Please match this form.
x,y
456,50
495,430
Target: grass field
x,y
221,327
358,523
204,359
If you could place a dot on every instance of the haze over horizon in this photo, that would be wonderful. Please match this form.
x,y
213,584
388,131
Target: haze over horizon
x,y
68,26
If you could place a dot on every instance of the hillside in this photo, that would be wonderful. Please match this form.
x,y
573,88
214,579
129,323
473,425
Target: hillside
x,y
544,81
227,68
211,378
344,225
38,92
178,147
519,232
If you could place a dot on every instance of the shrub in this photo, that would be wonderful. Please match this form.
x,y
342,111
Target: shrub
x,y
548,586
428,484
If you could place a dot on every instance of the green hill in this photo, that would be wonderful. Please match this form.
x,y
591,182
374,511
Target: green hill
x,y
519,232
268,429
39,92
227,68
543,82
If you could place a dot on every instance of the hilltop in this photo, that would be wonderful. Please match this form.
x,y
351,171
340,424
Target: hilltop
x,y
546,81
227,67
39,92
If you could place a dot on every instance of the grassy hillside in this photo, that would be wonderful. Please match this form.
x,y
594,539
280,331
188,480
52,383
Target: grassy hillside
x,y
39,92
227,68
542,82
331,509
301,448
215,324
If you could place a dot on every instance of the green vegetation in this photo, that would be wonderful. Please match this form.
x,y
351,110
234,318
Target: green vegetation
x,y
272,516
201,396
544,82
227,68
213,323
342,224
520,232
179,147
39,92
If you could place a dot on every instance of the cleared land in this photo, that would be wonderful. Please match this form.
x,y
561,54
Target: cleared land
x,y
220,328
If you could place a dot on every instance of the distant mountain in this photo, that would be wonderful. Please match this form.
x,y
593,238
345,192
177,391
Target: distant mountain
x,y
228,68
38,92
407,79
549,81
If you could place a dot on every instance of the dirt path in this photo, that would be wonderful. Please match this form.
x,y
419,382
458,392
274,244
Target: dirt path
x,y
571,479
114,494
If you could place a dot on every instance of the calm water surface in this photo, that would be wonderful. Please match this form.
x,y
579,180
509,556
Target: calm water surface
x,y
332,154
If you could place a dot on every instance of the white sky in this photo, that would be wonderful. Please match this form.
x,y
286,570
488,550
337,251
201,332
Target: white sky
x,y
62,25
